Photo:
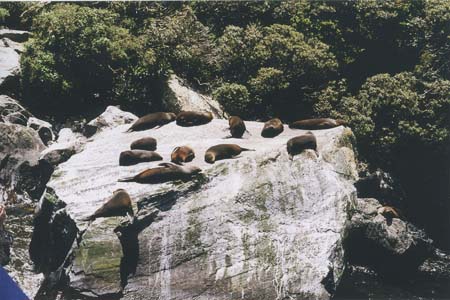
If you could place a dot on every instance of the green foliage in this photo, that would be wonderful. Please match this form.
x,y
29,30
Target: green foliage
x,y
234,97
4,13
78,54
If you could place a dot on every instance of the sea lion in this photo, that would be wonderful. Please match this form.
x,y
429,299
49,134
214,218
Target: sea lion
x,y
133,157
389,212
223,151
314,124
152,120
2,216
297,144
272,128
237,127
193,118
119,204
147,143
164,173
182,155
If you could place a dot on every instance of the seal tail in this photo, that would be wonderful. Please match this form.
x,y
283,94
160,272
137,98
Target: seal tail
x,y
246,149
129,129
126,179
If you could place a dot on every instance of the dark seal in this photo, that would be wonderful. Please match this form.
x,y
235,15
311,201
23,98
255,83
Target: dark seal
x,y
223,151
315,124
152,120
164,173
133,157
193,118
182,154
147,143
119,204
272,128
237,127
297,144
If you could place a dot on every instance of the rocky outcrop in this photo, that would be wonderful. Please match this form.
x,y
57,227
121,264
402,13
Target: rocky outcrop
x,y
5,246
112,117
10,47
256,227
187,99
43,128
12,112
68,144
21,171
392,247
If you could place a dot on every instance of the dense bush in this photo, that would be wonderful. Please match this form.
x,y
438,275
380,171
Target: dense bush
x,y
234,98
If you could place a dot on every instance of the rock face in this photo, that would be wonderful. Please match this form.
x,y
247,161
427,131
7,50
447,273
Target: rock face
x,y
112,117
256,227
188,99
392,247
68,144
10,47
12,112
20,168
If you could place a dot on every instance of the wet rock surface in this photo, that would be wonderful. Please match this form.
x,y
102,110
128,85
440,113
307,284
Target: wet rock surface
x,y
256,227
68,144
112,117
392,247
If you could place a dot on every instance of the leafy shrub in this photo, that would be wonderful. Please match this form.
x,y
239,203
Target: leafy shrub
x,y
234,98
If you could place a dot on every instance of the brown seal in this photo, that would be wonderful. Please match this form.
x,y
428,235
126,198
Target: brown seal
x,y
133,157
297,144
182,154
389,212
272,128
193,118
119,204
314,124
152,120
223,151
237,127
147,143
2,216
164,173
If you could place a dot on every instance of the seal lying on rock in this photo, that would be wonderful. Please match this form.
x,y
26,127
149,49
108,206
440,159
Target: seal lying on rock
x,y
223,151
164,173
237,127
118,205
193,118
133,157
314,124
182,155
389,212
297,144
147,143
272,128
152,120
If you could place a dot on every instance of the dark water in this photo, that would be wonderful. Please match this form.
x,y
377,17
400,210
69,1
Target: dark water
x,y
432,281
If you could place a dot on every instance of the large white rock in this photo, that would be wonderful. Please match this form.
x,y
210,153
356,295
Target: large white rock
x,y
189,100
259,227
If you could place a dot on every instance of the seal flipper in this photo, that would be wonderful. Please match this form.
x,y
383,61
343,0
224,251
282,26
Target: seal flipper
x,y
126,179
245,149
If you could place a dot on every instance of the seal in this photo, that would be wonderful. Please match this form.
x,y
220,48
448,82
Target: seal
x,y
152,120
315,124
389,212
182,155
272,128
2,216
133,157
193,118
223,151
164,173
119,204
237,127
147,143
297,144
